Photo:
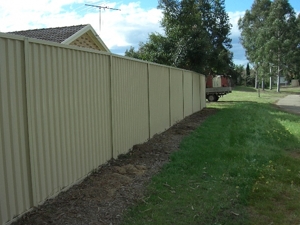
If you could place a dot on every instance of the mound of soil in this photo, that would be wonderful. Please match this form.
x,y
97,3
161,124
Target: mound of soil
x,y
103,196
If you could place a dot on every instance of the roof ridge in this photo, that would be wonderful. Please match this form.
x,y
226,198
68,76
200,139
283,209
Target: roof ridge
x,y
49,28
55,34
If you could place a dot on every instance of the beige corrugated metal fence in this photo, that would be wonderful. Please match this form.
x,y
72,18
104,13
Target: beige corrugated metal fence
x,y
159,98
196,93
202,92
187,93
15,179
68,96
129,104
65,110
176,95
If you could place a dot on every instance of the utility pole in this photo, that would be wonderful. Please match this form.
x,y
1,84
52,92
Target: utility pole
x,y
100,8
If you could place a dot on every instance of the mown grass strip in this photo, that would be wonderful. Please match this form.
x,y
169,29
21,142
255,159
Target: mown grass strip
x,y
241,166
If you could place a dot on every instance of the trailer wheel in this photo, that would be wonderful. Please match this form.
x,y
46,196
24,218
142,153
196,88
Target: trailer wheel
x,y
212,98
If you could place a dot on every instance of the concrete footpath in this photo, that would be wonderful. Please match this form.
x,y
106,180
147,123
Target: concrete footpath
x,y
290,103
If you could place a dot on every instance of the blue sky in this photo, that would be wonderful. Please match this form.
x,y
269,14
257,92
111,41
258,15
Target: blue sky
x,y
119,29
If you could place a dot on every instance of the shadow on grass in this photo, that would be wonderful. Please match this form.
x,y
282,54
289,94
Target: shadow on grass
x,y
244,89
294,110
257,115
210,180
290,90
224,102
259,134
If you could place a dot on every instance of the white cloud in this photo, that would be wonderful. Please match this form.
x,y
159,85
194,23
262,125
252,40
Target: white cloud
x,y
234,18
116,26
22,15
119,29
239,57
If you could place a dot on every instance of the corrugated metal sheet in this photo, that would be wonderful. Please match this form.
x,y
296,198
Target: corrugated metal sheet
x,y
159,97
69,116
129,104
196,92
188,93
202,91
15,189
176,95
64,111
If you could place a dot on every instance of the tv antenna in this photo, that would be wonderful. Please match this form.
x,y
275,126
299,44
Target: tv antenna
x,y
100,9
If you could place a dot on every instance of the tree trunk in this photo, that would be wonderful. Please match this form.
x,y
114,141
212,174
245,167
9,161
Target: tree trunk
x,y
271,80
278,70
278,80
262,84
256,81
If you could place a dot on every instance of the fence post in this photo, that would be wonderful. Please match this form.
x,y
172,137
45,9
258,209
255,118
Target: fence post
x,y
110,105
26,126
199,90
148,92
193,106
170,113
182,74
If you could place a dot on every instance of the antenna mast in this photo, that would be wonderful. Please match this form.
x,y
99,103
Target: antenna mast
x,y
100,8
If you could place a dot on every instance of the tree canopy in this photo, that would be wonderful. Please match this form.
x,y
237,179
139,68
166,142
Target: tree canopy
x,y
196,37
270,36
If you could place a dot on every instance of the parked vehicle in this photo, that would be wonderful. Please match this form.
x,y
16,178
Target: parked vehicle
x,y
217,86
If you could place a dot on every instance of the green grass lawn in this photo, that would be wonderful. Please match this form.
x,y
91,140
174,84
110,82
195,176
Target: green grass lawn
x,y
241,166
251,94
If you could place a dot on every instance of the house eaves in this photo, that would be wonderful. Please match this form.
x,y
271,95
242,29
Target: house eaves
x,y
88,29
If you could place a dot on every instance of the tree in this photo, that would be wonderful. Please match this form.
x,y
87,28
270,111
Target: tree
x,y
237,74
268,35
158,49
247,74
294,65
281,25
132,53
196,37
251,26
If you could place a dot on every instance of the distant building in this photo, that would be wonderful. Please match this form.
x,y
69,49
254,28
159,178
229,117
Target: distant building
x,y
80,35
282,80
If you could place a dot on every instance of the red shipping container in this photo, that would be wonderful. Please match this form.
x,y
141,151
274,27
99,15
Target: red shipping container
x,y
224,81
209,81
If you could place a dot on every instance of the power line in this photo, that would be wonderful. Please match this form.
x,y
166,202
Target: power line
x,y
100,8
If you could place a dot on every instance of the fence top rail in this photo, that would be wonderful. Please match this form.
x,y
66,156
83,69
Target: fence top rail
x,y
156,64
73,47
153,63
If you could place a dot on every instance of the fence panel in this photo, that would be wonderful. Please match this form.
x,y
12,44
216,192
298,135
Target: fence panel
x,y
196,92
202,91
188,93
159,97
15,182
64,111
129,104
176,95
68,114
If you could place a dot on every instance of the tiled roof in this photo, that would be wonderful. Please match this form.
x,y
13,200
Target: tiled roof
x,y
57,34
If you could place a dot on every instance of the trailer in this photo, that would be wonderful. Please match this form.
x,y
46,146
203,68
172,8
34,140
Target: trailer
x,y
217,86
213,94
